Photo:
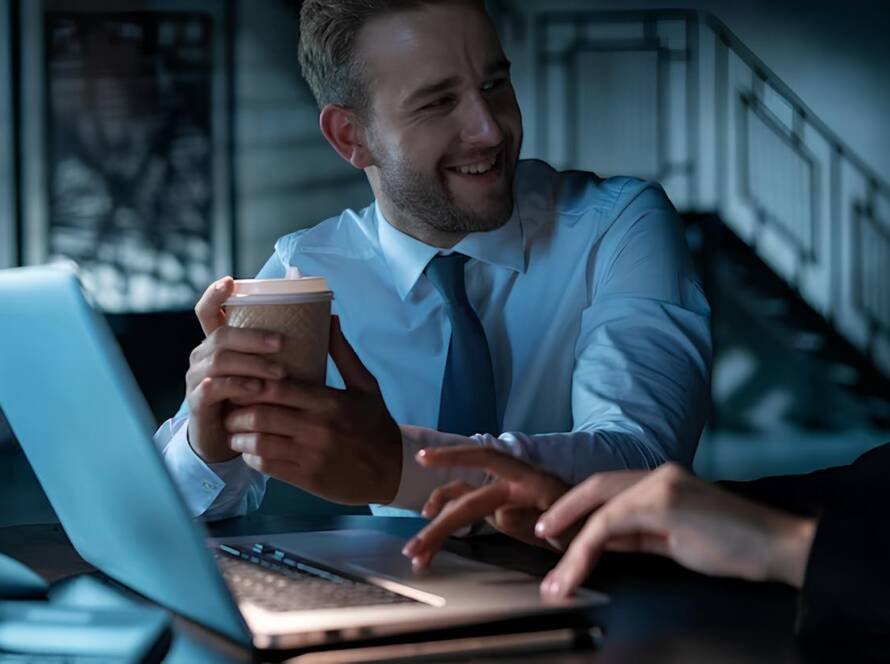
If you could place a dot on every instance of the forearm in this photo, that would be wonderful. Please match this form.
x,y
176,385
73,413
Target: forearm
x,y
418,482
572,456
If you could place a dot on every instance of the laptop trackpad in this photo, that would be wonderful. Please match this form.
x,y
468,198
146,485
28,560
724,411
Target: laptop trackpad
x,y
444,565
381,555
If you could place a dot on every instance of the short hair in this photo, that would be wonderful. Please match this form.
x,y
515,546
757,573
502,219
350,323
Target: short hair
x,y
328,32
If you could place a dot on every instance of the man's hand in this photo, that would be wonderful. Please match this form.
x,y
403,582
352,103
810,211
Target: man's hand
x,y
511,503
342,445
671,513
228,364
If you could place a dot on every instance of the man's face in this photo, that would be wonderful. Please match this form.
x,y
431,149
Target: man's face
x,y
444,126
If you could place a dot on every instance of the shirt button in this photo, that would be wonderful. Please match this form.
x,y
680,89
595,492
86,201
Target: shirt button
x,y
208,485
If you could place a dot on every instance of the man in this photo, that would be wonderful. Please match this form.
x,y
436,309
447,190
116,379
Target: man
x,y
485,296
821,533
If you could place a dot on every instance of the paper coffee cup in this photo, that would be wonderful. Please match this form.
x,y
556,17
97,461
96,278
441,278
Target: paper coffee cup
x,y
297,308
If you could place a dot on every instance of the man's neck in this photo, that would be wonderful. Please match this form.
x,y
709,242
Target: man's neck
x,y
419,231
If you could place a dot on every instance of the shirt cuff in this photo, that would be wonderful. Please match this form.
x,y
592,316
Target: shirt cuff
x,y
417,482
199,485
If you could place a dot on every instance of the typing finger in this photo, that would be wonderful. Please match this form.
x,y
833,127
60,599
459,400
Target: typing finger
x,y
518,523
459,513
641,542
477,456
443,495
622,517
585,498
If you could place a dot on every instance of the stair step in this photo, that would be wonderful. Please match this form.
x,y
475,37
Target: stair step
x,y
809,342
842,374
770,307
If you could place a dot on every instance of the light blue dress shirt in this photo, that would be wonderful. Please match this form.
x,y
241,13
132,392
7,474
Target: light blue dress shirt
x,y
598,330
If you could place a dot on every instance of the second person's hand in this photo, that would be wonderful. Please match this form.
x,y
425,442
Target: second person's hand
x,y
670,512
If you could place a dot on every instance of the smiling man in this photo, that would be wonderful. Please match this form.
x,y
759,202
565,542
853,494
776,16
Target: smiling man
x,y
489,300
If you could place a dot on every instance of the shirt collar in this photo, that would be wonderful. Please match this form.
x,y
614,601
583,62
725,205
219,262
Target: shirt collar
x,y
408,257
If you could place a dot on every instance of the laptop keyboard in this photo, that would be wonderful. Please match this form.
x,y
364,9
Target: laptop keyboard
x,y
280,581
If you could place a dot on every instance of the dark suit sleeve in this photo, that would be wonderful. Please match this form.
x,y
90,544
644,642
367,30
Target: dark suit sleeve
x,y
846,591
855,487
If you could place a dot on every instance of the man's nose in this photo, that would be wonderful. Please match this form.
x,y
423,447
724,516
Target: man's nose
x,y
479,125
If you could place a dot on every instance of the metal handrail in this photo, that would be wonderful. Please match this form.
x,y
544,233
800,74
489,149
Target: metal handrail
x,y
741,129
768,75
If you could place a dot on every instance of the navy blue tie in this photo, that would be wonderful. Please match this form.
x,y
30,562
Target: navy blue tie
x,y
468,403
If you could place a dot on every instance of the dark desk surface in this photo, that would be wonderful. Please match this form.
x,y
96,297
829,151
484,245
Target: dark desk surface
x,y
659,612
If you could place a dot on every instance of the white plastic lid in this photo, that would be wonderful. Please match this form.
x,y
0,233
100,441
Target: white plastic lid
x,y
292,288
301,286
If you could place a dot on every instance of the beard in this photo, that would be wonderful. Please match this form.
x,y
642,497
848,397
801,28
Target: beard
x,y
427,202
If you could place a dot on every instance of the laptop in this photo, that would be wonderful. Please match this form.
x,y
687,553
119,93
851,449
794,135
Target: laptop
x,y
84,426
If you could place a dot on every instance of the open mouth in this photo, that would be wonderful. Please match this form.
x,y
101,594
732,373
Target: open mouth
x,y
485,166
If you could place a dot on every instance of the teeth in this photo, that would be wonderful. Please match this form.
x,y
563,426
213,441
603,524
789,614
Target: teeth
x,y
476,169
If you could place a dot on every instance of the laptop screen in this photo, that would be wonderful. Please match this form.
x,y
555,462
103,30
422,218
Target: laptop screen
x,y
85,428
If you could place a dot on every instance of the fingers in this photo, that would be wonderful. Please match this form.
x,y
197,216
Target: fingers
x,y
443,495
211,391
233,351
209,307
518,523
352,369
267,446
639,543
585,498
575,566
238,339
628,517
320,400
248,365
538,488
459,513
476,456
268,419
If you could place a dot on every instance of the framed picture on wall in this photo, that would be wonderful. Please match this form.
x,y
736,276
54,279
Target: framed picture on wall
x,y
126,152
8,235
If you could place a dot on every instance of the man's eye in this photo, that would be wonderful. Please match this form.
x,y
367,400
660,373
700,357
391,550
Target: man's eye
x,y
437,103
495,84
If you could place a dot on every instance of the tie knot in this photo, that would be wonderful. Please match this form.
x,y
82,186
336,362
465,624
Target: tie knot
x,y
447,275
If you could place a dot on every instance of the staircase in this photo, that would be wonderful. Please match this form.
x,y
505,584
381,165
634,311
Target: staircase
x,y
790,228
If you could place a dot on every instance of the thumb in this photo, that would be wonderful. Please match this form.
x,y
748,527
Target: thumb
x,y
209,307
353,371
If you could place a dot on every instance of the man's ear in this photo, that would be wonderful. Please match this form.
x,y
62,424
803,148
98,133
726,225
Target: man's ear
x,y
346,134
